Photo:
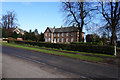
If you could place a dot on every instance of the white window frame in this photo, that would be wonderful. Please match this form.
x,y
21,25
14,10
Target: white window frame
x,y
67,34
46,34
67,39
54,40
72,39
62,39
49,39
62,34
49,34
46,40
58,34
58,40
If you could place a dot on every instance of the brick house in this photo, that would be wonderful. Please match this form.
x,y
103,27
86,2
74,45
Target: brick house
x,y
62,35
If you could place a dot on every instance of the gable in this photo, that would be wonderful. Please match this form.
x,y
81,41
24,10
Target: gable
x,y
47,30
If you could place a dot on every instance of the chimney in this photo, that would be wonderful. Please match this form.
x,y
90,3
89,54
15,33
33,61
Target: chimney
x,y
61,26
54,27
73,24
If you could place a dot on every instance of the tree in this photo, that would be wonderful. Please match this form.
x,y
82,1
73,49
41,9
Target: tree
x,y
26,36
41,37
4,34
92,38
36,32
30,36
111,13
78,13
14,35
9,19
4,21
12,18
20,35
104,38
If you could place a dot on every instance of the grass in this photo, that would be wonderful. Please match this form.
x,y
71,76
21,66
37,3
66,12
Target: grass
x,y
76,56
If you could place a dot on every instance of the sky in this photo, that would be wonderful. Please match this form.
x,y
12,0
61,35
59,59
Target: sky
x,y
39,15
35,15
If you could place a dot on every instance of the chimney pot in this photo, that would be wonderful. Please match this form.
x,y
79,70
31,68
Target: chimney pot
x,y
73,24
61,26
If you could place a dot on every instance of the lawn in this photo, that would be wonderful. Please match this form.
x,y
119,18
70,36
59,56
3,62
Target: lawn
x,y
75,56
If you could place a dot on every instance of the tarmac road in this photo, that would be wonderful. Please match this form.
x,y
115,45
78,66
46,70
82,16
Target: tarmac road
x,y
61,66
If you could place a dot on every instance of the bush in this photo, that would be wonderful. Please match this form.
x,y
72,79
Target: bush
x,y
74,47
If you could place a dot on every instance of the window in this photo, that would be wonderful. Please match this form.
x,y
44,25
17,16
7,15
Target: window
x,y
72,34
54,40
54,35
49,34
58,40
45,34
49,39
62,34
46,40
62,39
67,40
72,39
58,34
67,34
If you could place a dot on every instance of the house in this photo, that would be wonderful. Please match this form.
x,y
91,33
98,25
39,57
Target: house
x,y
62,35
18,30
9,31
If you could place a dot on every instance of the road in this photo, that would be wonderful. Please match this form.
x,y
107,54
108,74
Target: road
x,y
60,65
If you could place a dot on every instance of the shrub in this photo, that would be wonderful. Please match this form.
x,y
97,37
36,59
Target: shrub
x,y
73,47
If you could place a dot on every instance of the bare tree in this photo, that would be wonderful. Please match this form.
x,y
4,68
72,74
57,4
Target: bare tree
x,y
78,13
9,19
111,13
12,18
4,21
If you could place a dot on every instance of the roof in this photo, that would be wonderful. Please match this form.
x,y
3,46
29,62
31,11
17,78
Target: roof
x,y
63,29
19,29
66,29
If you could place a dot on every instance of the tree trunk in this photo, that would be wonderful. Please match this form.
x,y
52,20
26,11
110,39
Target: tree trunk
x,y
113,37
80,35
11,24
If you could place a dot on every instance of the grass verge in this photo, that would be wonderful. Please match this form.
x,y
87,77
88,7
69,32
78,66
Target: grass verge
x,y
76,56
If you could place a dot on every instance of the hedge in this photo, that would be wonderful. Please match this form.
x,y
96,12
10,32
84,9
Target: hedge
x,y
88,43
73,47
